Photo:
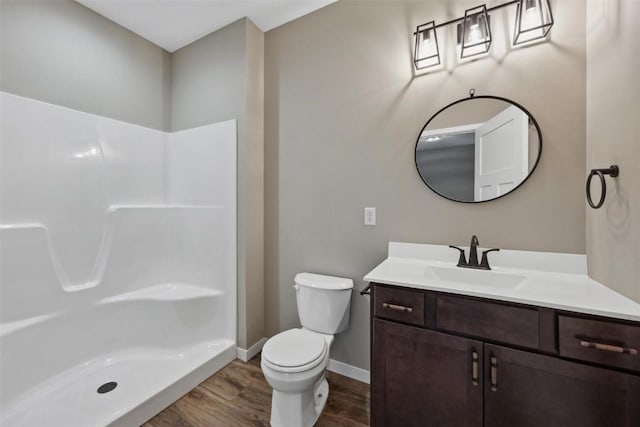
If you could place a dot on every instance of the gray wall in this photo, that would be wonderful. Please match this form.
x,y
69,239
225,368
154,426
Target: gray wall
x,y
220,77
343,111
207,83
613,103
63,53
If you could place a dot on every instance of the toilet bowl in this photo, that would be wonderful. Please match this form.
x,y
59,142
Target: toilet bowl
x,y
294,365
294,362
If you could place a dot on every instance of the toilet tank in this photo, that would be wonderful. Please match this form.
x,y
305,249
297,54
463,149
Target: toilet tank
x,y
323,302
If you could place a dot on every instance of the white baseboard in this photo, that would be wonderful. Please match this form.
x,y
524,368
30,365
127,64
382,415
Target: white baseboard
x,y
352,372
246,355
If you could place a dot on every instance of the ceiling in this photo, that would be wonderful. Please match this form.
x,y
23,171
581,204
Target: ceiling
x,y
172,24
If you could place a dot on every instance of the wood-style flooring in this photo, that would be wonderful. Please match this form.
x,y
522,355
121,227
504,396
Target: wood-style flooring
x,y
238,395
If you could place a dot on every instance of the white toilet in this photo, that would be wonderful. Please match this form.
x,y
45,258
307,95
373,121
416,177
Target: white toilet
x,y
294,361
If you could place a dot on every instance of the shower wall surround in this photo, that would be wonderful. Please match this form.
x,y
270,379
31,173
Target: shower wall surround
x,y
118,251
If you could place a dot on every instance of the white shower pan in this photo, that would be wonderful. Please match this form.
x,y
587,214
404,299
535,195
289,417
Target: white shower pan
x,y
156,346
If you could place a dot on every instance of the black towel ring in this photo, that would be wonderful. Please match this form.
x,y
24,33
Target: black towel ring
x,y
613,171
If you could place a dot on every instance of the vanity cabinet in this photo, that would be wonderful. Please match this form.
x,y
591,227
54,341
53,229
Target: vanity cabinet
x,y
446,360
529,389
423,377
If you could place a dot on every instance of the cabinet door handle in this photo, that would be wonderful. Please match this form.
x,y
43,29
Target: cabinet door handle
x,y
397,307
608,347
494,373
474,367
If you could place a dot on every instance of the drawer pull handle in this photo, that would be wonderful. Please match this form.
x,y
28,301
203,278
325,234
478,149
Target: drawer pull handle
x,y
608,347
397,307
474,368
494,374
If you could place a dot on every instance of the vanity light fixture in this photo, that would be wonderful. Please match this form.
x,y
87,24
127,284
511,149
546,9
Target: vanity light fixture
x,y
426,52
476,32
533,22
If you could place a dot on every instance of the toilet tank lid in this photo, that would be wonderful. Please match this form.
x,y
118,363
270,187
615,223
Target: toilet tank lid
x,y
321,281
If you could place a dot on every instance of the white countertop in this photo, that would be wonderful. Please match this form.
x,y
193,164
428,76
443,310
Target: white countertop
x,y
544,279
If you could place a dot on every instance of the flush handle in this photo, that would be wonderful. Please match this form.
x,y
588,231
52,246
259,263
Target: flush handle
x,y
494,373
474,367
397,307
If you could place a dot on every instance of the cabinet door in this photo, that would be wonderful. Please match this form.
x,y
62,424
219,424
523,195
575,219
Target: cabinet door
x,y
424,378
529,390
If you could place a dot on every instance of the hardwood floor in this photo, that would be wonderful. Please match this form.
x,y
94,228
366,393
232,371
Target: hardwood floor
x,y
238,395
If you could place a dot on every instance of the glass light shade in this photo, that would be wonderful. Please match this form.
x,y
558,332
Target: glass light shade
x,y
476,32
533,21
426,53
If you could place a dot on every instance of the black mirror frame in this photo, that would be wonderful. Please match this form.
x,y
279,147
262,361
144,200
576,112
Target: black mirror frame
x,y
499,98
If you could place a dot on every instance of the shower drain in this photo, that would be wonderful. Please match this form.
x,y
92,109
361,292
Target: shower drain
x,y
107,387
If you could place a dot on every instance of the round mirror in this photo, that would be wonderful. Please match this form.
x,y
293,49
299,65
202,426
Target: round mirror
x,y
478,149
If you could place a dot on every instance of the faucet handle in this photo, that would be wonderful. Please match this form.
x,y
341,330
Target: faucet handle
x,y
485,260
462,261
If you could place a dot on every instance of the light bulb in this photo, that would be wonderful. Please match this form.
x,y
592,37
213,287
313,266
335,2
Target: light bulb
x,y
426,45
474,34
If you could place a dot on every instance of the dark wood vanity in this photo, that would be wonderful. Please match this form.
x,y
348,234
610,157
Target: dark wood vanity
x,y
439,359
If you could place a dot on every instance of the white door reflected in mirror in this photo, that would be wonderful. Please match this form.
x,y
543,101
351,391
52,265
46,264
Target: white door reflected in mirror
x,y
501,154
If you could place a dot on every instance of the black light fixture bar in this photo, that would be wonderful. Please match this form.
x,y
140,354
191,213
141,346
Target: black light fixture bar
x,y
479,42
489,9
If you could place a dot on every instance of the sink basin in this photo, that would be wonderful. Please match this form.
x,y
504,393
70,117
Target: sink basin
x,y
477,277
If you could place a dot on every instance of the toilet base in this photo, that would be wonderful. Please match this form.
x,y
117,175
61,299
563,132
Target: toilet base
x,y
299,409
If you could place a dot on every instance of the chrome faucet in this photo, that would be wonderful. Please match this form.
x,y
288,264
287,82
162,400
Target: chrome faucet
x,y
473,256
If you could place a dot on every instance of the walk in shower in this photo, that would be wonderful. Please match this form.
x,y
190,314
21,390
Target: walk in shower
x,y
117,264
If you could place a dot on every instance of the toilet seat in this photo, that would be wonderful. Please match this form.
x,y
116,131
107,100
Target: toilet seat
x,y
295,350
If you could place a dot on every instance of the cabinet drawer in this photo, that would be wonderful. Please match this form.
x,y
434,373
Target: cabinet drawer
x,y
402,305
492,321
612,344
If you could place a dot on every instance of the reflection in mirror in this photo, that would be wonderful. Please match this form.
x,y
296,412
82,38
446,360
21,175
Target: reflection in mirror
x,y
478,149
